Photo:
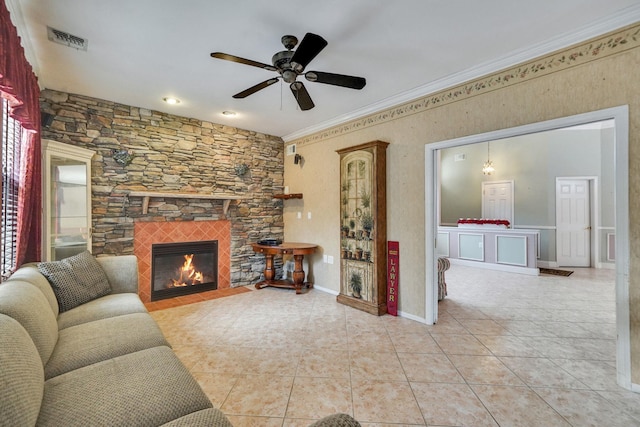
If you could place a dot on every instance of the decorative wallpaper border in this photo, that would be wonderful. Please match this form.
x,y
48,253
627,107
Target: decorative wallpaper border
x,y
595,49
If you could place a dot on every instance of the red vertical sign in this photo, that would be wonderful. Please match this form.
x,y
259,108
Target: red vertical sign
x,y
393,277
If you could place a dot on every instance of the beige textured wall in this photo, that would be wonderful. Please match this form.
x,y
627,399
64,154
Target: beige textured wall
x,y
591,76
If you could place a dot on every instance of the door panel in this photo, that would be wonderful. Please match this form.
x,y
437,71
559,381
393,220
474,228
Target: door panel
x,y
497,200
573,223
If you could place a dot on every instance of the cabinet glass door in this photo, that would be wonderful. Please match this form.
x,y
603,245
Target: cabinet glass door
x,y
69,220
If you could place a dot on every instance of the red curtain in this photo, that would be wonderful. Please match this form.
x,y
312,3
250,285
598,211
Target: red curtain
x,y
19,85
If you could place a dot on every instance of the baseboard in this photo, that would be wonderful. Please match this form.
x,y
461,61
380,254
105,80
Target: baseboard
x,y
400,313
326,290
553,264
547,264
606,265
499,267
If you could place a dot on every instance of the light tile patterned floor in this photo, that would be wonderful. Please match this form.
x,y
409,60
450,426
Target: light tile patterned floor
x,y
508,350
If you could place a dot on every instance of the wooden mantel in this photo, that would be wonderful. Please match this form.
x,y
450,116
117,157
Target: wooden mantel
x,y
146,195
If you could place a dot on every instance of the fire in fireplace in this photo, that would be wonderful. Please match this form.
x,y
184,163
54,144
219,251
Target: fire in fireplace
x,y
183,268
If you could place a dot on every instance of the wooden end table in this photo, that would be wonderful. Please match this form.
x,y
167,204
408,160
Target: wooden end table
x,y
298,250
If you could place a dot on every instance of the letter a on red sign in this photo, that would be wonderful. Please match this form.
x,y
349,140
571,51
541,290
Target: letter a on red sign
x,y
393,277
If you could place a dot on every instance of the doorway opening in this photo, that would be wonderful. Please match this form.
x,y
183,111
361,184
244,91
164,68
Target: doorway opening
x,y
618,199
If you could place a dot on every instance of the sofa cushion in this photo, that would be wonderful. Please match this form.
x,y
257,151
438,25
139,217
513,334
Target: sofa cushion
x,y
122,272
26,304
76,280
211,417
147,388
21,375
93,342
29,273
102,308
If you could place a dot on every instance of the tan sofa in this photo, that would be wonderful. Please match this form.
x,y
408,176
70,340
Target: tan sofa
x,y
102,363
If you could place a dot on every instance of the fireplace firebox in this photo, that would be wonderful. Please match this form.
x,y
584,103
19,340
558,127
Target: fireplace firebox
x,y
183,268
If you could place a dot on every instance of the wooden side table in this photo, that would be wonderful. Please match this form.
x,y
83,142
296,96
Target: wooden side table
x,y
298,250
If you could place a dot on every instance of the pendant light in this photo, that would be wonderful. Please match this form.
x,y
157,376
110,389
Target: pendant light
x,y
488,168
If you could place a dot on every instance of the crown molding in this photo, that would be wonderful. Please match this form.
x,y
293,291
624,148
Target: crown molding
x,y
15,10
623,18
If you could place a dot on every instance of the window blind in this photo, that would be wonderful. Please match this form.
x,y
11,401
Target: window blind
x,y
11,137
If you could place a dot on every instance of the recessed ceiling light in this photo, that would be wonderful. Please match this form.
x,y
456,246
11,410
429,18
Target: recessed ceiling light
x,y
229,113
170,100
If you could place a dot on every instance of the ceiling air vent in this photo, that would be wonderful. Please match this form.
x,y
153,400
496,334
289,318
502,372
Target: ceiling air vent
x,y
67,39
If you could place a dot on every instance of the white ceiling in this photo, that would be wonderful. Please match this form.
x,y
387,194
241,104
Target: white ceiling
x,y
140,51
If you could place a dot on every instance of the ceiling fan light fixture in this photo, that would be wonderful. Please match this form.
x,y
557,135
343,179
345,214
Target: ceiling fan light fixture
x,y
289,76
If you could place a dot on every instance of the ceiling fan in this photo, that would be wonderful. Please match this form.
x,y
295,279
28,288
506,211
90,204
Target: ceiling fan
x,y
290,64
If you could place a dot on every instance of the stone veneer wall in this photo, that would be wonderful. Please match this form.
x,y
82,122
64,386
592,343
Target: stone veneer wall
x,y
172,154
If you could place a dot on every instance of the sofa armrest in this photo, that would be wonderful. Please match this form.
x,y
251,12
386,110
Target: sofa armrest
x,y
122,272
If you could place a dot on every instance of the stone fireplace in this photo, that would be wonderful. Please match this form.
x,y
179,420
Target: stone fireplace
x,y
183,268
195,236
173,155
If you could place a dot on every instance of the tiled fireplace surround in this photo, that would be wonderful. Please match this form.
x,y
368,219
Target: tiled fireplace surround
x,y
148,233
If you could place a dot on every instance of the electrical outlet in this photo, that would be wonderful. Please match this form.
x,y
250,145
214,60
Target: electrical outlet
x,y
325,259
308,215
299,215
330,259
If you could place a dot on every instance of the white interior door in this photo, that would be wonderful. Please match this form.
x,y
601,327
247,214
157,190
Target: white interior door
x,y
497,200
573,222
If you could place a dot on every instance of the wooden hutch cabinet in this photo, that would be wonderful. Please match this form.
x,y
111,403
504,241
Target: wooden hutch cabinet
x,y
363,227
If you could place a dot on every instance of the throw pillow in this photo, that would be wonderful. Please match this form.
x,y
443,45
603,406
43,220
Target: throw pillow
x,y
76,280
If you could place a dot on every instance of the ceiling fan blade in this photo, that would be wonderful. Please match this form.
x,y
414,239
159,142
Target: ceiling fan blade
x,y
254,89
336,79
310,46
302,96
239,60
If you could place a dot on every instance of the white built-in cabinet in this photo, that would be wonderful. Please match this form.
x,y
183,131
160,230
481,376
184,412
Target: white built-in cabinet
x,y
66,190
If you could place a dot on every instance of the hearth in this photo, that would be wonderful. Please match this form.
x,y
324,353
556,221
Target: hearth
x,y
183,268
